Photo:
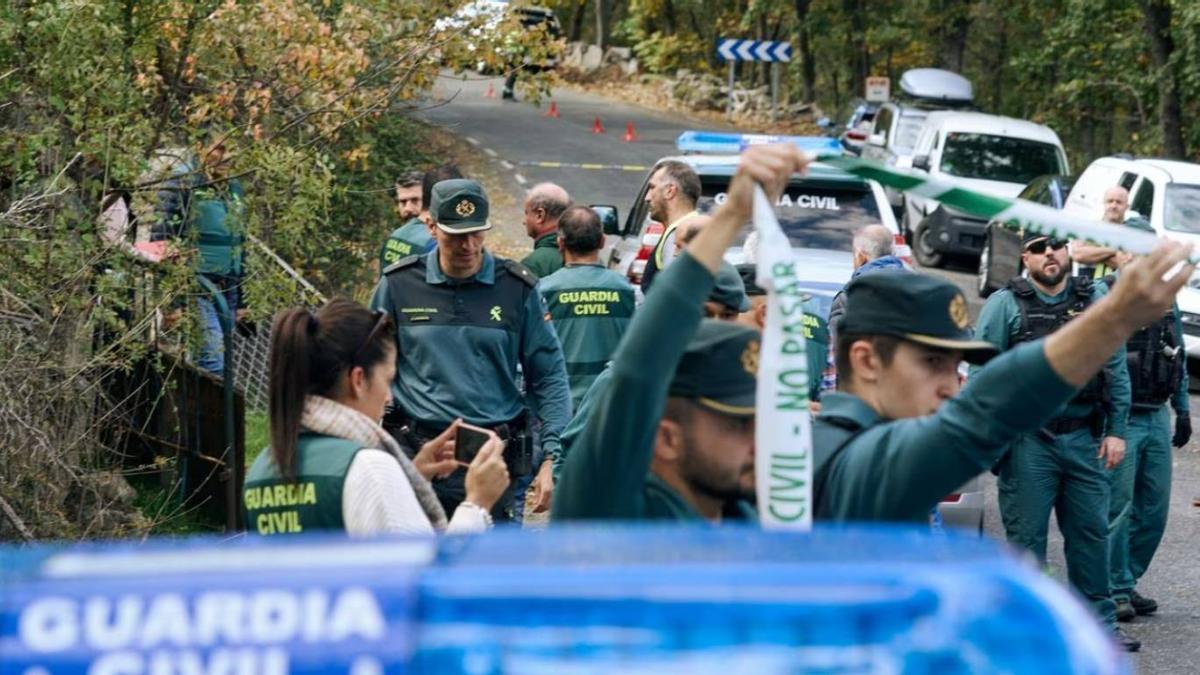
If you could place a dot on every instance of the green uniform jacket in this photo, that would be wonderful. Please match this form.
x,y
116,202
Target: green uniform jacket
x,y
545,259
898,470
210,213
313,502
459,344
607,475
1000,321
590,307
411,238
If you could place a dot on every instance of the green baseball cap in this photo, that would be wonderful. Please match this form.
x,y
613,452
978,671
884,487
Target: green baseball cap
x,y
729,290
719,369
459,206
916,307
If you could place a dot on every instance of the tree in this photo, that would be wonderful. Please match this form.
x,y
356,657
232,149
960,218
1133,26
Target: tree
x,y
1157,23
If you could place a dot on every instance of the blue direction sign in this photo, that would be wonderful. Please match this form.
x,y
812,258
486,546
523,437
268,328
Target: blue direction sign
x,y
732,49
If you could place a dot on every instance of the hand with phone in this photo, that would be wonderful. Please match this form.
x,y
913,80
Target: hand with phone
x,y
436,458
487,475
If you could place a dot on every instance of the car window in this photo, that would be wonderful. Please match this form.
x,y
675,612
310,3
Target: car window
x,y
1181,208
1000,158
1127,180
1143,202
822,215
907,132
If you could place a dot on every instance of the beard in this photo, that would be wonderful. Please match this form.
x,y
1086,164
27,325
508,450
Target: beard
x,y
1049,279
712,480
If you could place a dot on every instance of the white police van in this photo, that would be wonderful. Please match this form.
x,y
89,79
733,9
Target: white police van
x,y
819,212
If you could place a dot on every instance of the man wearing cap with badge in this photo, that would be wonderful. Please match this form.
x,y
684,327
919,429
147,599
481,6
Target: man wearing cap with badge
x,y
669,427
465,320
1063,464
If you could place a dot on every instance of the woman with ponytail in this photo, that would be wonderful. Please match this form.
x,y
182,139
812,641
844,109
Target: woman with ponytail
x,y
330,465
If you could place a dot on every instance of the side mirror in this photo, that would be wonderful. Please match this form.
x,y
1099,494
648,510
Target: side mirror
x,y
921,162
610,222
876,139
1130,214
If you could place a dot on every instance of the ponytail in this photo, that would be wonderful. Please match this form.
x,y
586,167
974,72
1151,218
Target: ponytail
x,y
291,338
310,354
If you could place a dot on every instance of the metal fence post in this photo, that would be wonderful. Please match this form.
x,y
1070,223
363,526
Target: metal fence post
x,y
233,464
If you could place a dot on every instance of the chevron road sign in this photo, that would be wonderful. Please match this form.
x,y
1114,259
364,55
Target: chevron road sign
x,y
731,49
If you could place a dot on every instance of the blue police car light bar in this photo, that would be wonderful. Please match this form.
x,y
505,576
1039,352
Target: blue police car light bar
x,y
715,142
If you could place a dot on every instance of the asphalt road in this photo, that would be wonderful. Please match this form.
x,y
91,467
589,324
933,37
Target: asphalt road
x,y
517,135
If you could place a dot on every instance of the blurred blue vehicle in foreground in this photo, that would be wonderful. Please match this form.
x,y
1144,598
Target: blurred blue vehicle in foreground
x,y
567,600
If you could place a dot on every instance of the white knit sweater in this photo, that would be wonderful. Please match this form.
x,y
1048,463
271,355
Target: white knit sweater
x,y
377,497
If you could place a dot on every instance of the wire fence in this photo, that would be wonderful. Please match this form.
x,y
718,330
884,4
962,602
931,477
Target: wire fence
x,y
252,347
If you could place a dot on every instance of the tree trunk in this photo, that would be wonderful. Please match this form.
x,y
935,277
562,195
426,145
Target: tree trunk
x,y
857,44
601,22
575,32
1157,14
998,67
808,68
957,14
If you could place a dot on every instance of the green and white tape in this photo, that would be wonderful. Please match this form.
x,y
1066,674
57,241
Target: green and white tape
x,y
1015,214
783,426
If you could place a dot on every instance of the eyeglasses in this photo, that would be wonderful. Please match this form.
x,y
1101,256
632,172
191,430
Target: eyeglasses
x,y
381,319
1039,247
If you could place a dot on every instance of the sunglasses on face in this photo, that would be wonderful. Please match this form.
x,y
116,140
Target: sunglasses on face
x,y
1039,247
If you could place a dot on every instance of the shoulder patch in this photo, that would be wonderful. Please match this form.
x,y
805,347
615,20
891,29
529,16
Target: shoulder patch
x,y
400,264
518,270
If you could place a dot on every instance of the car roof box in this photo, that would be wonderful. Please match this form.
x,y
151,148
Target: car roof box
x,y
936,85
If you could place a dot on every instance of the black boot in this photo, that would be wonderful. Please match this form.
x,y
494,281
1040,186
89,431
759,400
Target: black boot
x,y
1125,611
1142,605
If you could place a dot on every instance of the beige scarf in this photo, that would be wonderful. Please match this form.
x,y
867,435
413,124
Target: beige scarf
x,y
325,416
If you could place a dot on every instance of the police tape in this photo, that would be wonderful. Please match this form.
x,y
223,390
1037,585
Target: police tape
x,y
586,165
783,426
1014,214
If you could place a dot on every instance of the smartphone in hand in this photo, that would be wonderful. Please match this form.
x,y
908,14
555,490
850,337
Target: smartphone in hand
x,y
469,441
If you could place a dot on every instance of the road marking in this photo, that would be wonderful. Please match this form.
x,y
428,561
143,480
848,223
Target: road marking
x,y
506,164
472,141
520,178
586,165
490,152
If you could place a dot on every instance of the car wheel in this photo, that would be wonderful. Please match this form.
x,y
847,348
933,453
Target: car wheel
x,y
984,276
923,249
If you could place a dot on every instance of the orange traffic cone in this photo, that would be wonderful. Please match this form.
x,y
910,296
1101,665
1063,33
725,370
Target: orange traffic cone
x,y
630,136
596,127
553,112
491,92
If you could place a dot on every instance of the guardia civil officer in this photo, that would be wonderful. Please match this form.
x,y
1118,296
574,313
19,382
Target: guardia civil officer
x,y
465,321
1063,465
727,298
1141,483
415,236
590,305
330,465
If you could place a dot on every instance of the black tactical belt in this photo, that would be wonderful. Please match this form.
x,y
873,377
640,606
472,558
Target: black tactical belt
x,y
1066,425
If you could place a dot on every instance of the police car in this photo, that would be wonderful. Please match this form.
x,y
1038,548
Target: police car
x,y
819,212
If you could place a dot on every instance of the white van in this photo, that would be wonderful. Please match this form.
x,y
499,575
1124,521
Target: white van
x,y
897,123
989,153
1164,192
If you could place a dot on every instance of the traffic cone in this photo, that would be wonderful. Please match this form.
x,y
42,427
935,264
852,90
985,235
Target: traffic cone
x,y
630,136
553,112
596,127
491,92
